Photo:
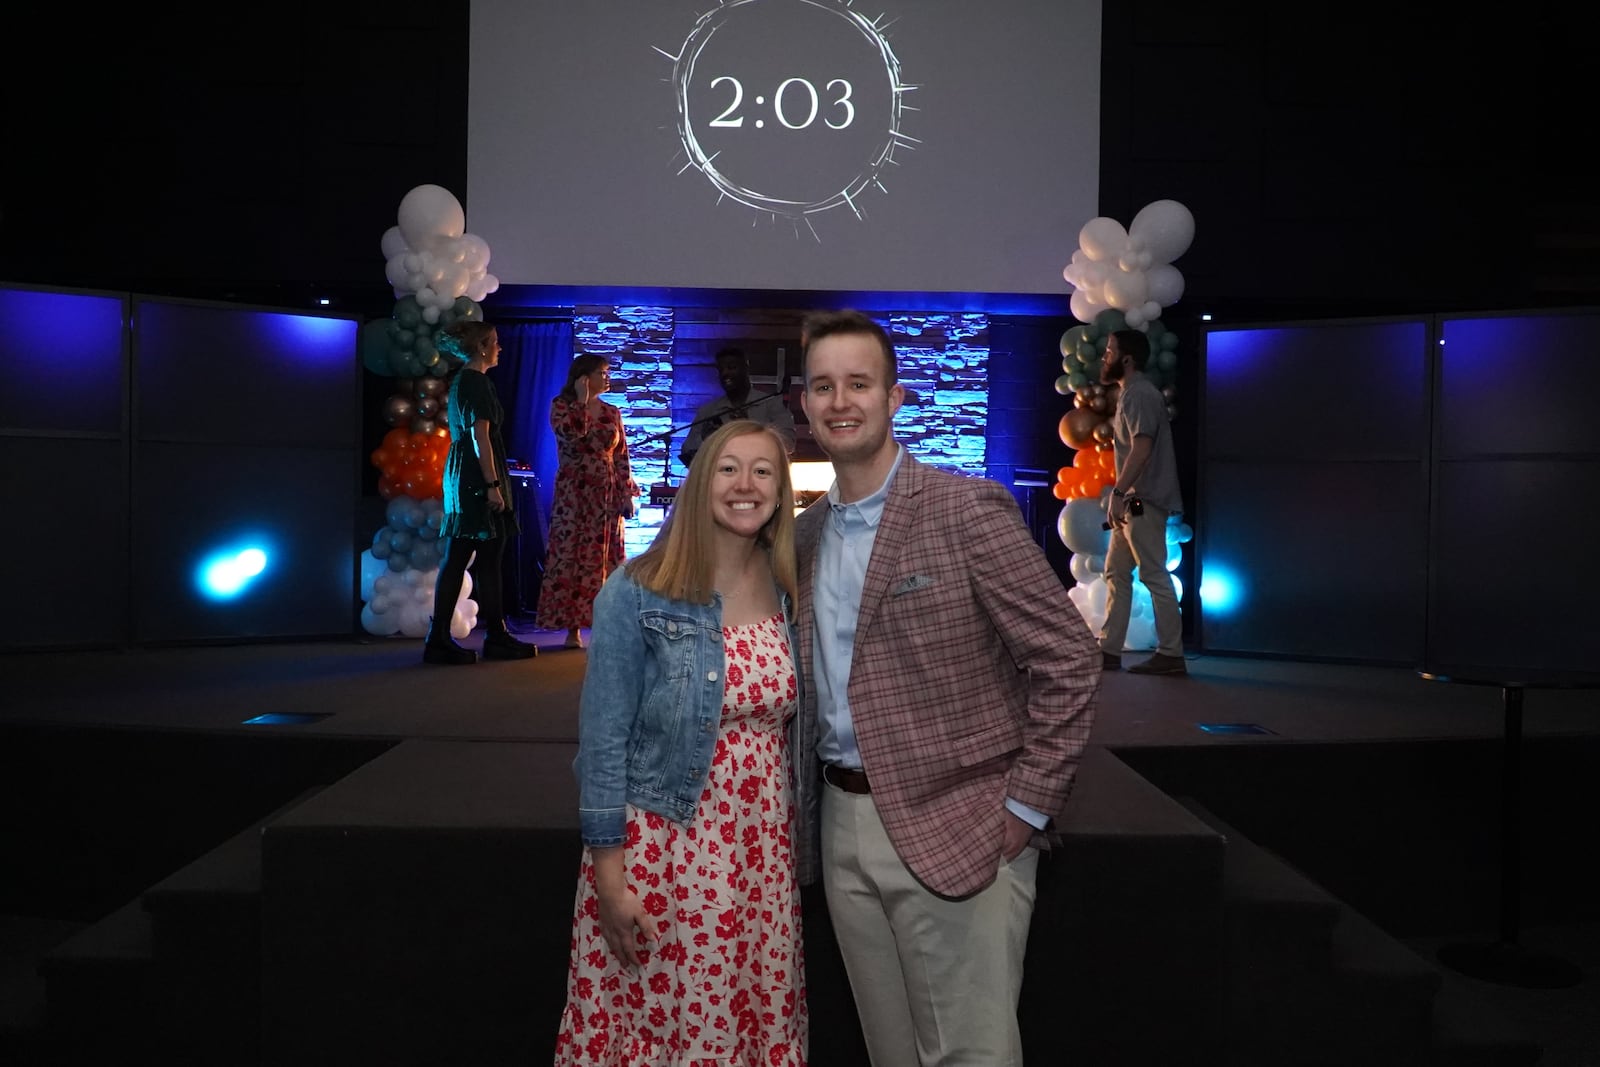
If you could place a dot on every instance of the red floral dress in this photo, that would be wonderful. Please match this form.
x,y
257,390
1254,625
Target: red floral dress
x,y
725,984
593,487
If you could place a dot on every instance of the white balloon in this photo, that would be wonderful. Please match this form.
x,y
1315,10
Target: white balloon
x,y
454,281
460,625
1166,284
1165,228
395,271
1083,307
1103,238
430,314
1126,289
430,211
413,621
393,242
1135,318
373,572
476,253
377,623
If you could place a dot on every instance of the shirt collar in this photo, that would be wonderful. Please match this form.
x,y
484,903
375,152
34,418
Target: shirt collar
x,y
869,507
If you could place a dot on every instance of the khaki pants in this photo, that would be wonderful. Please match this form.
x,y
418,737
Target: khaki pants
x,y
935,980
1141,542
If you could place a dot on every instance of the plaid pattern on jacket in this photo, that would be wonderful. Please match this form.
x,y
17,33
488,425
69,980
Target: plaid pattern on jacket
x,y
974,678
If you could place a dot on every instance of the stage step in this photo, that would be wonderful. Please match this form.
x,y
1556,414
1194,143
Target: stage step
x,y
1313,982
206,932
101,1003
23,940
176,971
419,911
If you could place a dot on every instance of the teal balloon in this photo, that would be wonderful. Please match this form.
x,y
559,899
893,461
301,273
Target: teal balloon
x,y
1110,321
375,347
1077,381
1169,340
407,312
1166,359
1064,384
1069,342
468,309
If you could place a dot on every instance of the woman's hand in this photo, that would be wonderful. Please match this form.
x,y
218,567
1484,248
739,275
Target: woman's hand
x,y
495,498
581,387
620,914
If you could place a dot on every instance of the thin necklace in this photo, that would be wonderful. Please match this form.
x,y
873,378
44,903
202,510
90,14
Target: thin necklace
x,y
744,580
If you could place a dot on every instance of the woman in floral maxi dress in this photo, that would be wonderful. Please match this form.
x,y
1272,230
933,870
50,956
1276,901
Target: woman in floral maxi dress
x,y
594,491
686,936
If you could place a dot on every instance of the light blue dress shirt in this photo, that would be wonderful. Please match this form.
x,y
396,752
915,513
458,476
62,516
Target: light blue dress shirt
x,y
842,557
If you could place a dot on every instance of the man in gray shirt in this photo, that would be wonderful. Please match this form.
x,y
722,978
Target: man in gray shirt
x,y
1145,494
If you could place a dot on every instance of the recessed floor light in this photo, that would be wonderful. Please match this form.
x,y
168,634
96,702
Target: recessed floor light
x,y
1232,728
287,718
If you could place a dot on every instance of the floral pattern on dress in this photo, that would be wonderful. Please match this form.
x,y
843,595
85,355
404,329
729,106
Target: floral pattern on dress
x,y
725,984
593,486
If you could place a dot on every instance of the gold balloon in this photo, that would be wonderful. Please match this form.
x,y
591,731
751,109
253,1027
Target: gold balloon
x,y
1077,427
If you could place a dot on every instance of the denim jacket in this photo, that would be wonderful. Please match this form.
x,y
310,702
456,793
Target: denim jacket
x,y
651,706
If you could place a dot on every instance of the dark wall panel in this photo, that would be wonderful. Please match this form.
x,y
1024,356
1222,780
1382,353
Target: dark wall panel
x,y
65,360
217,373
1326,561
1517,495
1519,385
1313,500
1319,391
297,505
1515,553
66,545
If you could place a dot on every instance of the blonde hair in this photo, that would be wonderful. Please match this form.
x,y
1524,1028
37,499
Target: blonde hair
x,y
678,564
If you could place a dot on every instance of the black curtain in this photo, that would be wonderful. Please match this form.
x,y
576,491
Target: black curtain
x,y
534,357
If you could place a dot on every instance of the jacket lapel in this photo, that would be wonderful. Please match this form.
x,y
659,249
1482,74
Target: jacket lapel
x,y
894,530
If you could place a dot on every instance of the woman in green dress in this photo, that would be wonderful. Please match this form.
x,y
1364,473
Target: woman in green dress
x,y
477,501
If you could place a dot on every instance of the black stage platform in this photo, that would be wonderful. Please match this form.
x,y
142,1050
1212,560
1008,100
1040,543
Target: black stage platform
x,y
397,843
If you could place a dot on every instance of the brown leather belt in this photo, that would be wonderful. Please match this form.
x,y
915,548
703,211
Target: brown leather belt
x,y
846,779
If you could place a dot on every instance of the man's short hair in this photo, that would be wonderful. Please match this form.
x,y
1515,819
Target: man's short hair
x,y
829,323
731,352
1135,346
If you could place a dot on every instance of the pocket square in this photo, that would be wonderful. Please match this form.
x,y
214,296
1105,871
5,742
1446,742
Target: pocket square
x,y
911,584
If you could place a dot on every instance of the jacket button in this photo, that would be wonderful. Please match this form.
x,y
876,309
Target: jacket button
x,y
672,627
711,676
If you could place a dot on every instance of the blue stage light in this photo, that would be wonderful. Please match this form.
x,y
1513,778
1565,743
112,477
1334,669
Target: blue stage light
x,y
226,574
1221,591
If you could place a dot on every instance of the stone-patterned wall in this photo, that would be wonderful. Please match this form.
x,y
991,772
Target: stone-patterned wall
x,y
943,361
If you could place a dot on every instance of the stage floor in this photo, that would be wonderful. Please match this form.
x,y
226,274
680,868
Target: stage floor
x,y
378,688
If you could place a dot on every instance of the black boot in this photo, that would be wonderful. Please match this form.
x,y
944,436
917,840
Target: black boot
x,y
441,649
499,644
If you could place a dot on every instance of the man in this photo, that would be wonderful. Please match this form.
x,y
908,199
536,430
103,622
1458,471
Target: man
x,y
948,700
1145,494
736,403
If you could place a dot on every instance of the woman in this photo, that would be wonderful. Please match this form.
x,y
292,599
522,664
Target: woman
x,y
477,503
594,492
686,934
